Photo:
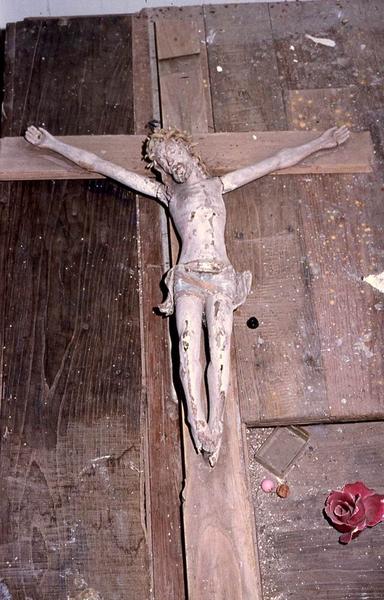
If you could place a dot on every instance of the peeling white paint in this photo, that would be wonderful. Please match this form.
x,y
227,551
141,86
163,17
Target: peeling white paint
x,y
322,41
376,281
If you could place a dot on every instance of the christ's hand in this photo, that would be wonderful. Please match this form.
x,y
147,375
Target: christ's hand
x,y
334,137
37,136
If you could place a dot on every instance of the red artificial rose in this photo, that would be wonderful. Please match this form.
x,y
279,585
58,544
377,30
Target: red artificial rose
x,y
354,508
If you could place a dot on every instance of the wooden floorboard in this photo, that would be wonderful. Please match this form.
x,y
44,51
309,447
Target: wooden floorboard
x,y
72,503
246,90
335,367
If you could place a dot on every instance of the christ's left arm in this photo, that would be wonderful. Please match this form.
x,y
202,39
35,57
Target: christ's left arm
x,y
284,158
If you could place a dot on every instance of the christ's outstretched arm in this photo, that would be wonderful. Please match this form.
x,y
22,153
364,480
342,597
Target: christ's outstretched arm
x,y
284,158
89,161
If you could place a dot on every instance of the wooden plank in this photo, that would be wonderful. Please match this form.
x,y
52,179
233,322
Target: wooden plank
x,y
171,41
63,36
222,152
221,551
184,91
183,70
293,532
280,361
163,452
246,88
318,109
304,64
350,242
221,556
317,351
71,421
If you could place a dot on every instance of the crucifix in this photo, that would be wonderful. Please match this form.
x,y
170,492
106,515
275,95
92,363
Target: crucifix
x,y
222,153
203,286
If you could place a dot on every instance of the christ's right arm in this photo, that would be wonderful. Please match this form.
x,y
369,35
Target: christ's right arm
x,y
89,161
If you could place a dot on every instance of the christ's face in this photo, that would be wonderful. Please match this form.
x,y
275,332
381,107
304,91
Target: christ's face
x,y
174,158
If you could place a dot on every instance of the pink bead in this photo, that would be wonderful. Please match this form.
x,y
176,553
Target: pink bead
x,y
268,485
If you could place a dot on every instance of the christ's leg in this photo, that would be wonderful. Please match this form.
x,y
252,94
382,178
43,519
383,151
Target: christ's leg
x,y
219,315
189,312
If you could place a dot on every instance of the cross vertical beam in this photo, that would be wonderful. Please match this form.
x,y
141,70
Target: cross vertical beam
x,y
221,551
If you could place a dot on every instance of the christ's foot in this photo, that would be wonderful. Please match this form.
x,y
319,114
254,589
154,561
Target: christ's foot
x,y
211,444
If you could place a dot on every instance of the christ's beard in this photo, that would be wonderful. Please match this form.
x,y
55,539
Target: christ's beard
x,y
180,174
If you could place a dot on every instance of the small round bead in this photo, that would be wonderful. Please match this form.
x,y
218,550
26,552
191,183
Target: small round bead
x,y
267,485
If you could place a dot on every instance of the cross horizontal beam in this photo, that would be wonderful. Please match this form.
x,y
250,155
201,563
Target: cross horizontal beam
x,y
222,152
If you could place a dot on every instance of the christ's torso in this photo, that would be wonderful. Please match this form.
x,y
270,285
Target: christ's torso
x,y
199,215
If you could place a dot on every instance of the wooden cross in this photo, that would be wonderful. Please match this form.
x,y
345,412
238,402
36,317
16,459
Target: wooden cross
x,y
218,519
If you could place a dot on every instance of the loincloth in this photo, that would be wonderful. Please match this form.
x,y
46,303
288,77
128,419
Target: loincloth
x,y
204,279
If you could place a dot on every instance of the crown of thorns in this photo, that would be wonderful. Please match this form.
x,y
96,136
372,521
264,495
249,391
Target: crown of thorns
x,y
164,135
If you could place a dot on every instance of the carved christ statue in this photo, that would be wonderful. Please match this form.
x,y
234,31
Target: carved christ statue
x,y
203,287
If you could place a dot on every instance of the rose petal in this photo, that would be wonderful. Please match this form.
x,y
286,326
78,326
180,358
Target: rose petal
x,y
358,514
342,496
347,537
336,498
374,509
358,488
342,527
342,510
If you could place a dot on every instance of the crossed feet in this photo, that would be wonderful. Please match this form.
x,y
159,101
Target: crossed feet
x,y
207,440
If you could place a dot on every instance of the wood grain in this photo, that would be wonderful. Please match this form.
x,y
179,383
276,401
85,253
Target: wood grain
x,y
183,70
171,41
246,88
278,362
304,64
288,367
222,152
342,233
72,507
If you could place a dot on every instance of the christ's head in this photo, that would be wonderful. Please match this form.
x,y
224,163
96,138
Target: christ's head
x,y
170,151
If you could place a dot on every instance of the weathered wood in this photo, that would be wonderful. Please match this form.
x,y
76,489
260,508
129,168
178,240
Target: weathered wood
x,y
282,228
222,152
71,422
163,452
221,551
171,41
183,69
246,89
357,57
221,556
293,533
278,361
321,108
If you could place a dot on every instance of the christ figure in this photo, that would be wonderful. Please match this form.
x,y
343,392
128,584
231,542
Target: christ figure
x,y
203,287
